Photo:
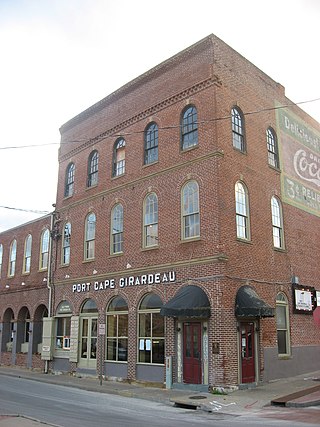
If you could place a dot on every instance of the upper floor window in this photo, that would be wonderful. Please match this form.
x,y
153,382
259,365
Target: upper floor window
x,y
150,220
27,254
151,330
119,157
90,235
238,138
242,211
151,144
44,249
69,183
1,257
190,210
93,168
66,244
272,146
282,317
117,330
189,128
12,258
277,223
117,229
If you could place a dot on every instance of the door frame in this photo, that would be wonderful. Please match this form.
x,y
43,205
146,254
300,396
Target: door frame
x,y
198,326
255,323
88,362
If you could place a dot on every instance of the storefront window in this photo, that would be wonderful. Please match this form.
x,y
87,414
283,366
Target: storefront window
x,y
63,326
151,330
117,330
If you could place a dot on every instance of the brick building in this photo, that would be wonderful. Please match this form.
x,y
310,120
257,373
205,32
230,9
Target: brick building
x,y
184,228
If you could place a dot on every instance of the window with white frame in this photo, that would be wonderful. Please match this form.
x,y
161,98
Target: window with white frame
x,y
63,326
242,211
44,249
277,223
117,229
150,220
93,163
189,128
90,236
237,122
27,254
190,210
119,157
272,146
66,242
151,144
151,330
69,183
282,317
12,258
117,330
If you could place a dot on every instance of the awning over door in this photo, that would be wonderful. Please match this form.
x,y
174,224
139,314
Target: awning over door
x,y
190,301
249,304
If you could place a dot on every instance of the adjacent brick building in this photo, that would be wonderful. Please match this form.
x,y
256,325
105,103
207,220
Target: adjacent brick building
x,y
184,233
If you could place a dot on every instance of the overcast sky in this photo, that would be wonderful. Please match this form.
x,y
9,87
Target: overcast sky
x,y
58,57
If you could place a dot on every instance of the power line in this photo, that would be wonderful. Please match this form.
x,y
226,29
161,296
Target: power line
x,y
26,210
103,135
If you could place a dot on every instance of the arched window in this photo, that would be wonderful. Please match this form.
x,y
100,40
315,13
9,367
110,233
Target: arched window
x,y
282,316
12,258
272,146
69,182
151,144
117,229
66,244
93,169
119,157
277,223
150,220
242,211
151,330
44,249
117,330
238,137
63,325
189,128
190,210
1,258
90,235
27,254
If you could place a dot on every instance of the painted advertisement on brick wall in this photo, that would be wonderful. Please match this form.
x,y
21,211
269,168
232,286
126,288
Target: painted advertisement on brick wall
x,y
299,146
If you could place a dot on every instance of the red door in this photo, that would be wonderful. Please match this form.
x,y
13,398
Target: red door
x,y
192,373
247,352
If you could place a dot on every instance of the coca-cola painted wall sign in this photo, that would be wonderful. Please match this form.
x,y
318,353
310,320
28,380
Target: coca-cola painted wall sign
x,y
299,146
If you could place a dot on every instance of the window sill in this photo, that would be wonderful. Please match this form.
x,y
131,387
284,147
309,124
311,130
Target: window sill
x,y
186,150
91,186
88,260
283,250
150,164
240,151
274,168
284,357
116,255
190,240
149,248
150,364
248,242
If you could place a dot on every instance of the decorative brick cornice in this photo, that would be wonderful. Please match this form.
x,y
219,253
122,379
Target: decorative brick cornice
x,y
214,80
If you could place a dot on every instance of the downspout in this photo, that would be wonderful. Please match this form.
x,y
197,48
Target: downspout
x,y
49,282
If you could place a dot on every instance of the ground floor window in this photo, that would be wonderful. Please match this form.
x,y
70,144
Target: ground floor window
x,y
282,316
117,330
63,326
151,330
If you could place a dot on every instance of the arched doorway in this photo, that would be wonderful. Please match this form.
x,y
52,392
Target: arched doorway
x,y
88,335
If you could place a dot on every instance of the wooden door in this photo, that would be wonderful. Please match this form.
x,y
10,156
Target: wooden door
x,y
192,372
247,352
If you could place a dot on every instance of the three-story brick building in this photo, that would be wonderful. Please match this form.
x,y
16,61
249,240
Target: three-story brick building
x,y
185,227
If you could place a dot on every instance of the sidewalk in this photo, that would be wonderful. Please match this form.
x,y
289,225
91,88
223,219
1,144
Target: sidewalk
x,y
299,391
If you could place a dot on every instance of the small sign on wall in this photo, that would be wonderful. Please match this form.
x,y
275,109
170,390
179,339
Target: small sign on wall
x,y
215,348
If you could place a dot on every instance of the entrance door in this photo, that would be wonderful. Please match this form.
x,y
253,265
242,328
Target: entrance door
x,y
192,373
88,348
247,352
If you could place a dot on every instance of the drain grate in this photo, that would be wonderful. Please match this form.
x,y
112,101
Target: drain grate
x,y
197,397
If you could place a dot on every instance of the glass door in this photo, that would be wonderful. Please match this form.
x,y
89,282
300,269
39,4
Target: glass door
x,y
88,347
